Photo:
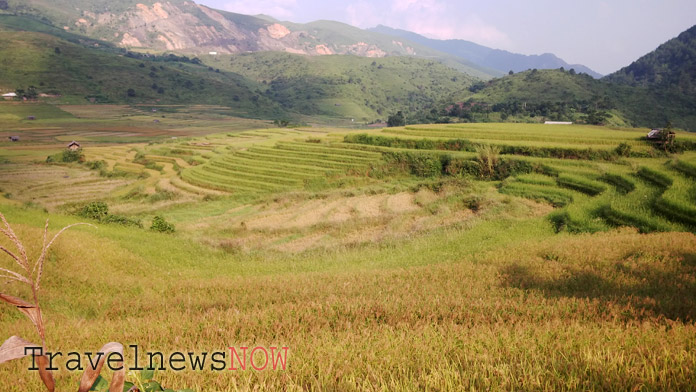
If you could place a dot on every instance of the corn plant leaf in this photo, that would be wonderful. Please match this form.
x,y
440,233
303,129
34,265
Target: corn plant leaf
x,y
90,375
45,374
15,348
25,307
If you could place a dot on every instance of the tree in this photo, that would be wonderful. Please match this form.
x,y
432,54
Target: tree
x,y
131,92
396,120
32,93
4,5
511,73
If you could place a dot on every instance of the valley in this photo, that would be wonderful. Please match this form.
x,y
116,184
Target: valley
x,y
395,212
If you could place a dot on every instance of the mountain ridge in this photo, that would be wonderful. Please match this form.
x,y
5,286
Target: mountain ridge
x,y
497,59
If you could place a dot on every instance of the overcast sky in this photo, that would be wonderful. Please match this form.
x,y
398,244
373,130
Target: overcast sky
x,y
602,34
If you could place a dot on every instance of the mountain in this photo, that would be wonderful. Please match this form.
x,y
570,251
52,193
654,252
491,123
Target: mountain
x,y
659,87
185,27
668,74
75,69
500,60
346,86
72,69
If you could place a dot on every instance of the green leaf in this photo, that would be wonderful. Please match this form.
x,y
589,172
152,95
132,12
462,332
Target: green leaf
x,y
185,390
153,386
127,386
100,384
148,374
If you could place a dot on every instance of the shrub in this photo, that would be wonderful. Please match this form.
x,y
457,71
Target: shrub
x,y
72,156
623,150
422,165
97,210
96,165
123,221
488,160
510,167
458,167
162,226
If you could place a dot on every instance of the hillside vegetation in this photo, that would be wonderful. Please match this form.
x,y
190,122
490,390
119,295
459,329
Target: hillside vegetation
x,y
188,28
74,73
347,86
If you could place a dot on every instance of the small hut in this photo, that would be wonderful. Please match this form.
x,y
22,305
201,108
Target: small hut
x,y
654,134
73,146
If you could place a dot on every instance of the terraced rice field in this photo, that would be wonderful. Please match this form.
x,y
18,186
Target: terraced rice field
x,y
285,166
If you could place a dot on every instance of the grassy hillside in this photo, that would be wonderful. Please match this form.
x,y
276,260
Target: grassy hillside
x,y
669,76
75,73
558,95
346,86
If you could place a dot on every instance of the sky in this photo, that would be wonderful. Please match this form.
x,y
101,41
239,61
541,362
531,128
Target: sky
x,y
605,35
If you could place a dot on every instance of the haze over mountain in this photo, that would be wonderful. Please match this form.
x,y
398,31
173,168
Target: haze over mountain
x,y
497,59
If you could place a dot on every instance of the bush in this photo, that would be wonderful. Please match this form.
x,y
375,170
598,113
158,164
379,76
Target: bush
x,y
422,165
162,226
97,210
123,221
623,150
511,167
96,165
72,156
458,167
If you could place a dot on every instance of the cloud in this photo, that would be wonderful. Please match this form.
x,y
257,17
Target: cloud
x,y
363,14
282,9
433,18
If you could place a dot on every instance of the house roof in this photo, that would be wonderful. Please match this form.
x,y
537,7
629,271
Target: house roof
x,y
9,95
74,143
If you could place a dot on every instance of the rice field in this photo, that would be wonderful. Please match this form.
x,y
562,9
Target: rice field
x,y
534,265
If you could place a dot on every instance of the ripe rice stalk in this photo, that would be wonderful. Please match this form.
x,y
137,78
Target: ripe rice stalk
x,y
30,273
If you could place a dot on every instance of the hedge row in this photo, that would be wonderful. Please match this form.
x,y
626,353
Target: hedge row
x,y
467,145
433,164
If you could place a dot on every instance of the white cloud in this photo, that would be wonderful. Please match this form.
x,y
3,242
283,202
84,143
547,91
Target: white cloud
x,y
363,14
282,9
433,18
